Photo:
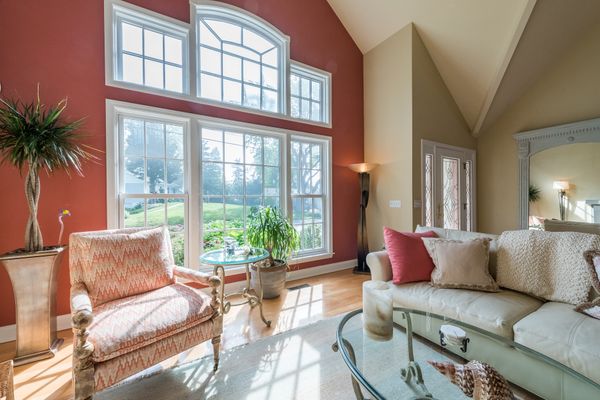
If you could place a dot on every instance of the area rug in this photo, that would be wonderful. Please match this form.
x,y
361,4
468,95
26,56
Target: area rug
x,y
298,364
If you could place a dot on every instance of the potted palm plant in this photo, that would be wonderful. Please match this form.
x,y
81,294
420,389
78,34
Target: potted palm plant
x,y
34,137
268,228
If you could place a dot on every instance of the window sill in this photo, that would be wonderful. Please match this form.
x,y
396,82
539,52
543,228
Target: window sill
x,y
189,97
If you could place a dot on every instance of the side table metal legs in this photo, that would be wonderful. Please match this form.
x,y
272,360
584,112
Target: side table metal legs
x,y
250,296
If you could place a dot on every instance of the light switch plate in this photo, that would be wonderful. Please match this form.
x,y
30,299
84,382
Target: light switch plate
x,y
395,204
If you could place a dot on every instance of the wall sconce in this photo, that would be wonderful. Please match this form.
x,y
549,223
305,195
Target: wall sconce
x,y
562,187
363,170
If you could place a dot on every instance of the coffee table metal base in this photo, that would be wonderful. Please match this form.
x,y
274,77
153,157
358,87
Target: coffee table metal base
x,y
412,374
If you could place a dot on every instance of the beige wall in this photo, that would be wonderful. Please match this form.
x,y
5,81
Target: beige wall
x,y
406,100
569,91
575,163
388,133
436,116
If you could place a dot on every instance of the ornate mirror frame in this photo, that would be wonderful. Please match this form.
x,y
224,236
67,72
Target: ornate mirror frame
x,y
534,141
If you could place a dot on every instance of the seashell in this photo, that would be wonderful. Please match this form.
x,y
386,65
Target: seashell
x,y
476,379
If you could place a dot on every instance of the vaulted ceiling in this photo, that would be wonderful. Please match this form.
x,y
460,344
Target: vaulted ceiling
x,y
481,48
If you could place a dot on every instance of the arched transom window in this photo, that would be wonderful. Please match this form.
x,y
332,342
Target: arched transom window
x,y
240,59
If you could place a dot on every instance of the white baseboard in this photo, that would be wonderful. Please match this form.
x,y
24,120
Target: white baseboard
x,y
236,287
8,333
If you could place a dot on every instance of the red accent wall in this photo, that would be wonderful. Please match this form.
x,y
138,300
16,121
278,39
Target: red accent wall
x,y
60,44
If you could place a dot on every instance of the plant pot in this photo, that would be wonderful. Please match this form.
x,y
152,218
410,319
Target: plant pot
x,y
273,279
33,277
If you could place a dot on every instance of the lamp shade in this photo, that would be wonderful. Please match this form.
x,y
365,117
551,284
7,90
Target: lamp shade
x,y
362,167
560,185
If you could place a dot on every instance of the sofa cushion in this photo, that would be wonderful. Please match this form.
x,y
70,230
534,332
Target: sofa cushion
x,y
118,263
127,324
549,265
454,234
564,335
408,256
494,312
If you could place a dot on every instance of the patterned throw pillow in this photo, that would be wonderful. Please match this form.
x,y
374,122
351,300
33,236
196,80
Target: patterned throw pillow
x,y
476,379
121,263
592,308
547,265
461,264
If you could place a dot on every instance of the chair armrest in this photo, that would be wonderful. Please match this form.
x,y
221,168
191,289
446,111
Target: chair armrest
x,y
380,265
197,276
81,319
81,306
215,282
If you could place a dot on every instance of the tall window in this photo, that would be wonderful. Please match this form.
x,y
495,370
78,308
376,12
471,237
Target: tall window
x,y
308,193
240,172
203,177
309,97
153,190
149,51
241,60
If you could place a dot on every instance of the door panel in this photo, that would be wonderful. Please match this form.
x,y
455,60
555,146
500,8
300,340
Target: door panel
x,y
448,191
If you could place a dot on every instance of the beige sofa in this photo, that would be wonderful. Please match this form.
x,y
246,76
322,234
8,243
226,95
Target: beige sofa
x,y
553,329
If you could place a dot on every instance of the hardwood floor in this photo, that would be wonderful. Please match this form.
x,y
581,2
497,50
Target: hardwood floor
x,y
325,296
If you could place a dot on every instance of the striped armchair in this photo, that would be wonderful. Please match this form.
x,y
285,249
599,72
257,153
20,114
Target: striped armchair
x,y
128,310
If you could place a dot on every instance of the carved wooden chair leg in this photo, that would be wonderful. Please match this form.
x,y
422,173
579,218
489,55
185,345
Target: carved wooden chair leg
x,y
216,342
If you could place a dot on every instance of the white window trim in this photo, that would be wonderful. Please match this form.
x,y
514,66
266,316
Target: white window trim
x,y
190,73
192,123
229,13
320,75
116,11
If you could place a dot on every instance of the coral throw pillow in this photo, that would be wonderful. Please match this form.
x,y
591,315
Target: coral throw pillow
x,y
408,255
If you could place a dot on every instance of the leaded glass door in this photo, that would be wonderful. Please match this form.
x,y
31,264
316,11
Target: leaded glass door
x,y
448,186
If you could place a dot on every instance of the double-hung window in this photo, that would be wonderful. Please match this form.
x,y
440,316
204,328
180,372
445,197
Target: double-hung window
x,y
148,50
152,177
309,193
241,171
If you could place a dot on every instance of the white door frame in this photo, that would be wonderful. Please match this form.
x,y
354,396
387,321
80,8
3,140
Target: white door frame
x,y
436,150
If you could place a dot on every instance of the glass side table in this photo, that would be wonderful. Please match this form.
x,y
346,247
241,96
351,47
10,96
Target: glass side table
x,y
219,259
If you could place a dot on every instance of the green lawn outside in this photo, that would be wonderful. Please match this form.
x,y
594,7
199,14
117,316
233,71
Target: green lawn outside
x,y
212,212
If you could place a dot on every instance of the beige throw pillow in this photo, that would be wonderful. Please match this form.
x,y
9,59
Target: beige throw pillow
x,y
461,264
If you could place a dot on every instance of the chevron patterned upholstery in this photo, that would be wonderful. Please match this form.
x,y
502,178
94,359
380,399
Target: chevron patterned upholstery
x,y
120,263
115,370
128,311
146,318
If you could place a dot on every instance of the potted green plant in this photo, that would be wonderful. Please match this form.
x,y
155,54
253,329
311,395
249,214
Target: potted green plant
x,y
268,228
34,137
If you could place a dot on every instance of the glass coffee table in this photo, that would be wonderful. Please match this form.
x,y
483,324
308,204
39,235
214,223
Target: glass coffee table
x,y
219,259
398,368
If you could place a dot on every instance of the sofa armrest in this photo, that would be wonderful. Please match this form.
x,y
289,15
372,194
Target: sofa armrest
x,y
380,265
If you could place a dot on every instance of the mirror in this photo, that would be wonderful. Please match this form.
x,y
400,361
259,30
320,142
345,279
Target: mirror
x,y
562,158
571,169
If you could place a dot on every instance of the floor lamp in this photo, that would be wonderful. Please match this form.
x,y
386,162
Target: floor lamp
x,y
362,240
562,187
